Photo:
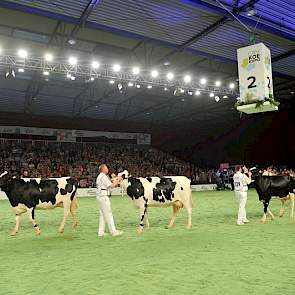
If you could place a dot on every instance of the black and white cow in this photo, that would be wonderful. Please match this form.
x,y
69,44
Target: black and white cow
x,y
27,194
277,186
167,191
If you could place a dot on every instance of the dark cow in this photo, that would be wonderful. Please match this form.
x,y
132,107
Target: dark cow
x,y
277,186
167,191
27,194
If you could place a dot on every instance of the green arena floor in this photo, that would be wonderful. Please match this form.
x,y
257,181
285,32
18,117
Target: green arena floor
x,y
215,257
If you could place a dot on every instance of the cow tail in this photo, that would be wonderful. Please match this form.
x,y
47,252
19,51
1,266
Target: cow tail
x,y
74,200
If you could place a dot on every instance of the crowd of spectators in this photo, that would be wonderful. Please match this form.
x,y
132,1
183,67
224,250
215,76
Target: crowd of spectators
x,y
81,160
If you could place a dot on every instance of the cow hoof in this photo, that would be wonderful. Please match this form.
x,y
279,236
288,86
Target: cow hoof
x,y
188,227
13,233
139,231
38,232
75,224
61,231
262,221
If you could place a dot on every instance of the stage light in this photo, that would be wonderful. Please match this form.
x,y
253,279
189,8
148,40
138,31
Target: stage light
x,y
116,68
130,84
45,73
149,87
48,57
251,11
138,86
95,64
211,94
135,71
187,78
73,60
189,92
22,53
217,83
112,82
197,92
203,81
170,76
217,98
165,89
92,78
232,85
154,73
21,70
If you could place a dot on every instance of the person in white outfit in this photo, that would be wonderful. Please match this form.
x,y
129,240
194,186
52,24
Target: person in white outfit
x,y
242,178
104,186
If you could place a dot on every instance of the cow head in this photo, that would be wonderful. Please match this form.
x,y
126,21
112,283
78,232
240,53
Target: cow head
x,y
5,178
124,178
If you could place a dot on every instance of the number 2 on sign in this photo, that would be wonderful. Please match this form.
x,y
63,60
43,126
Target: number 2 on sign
x,y
253,80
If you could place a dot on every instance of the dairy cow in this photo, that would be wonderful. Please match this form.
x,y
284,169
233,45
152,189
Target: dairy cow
x,y
158,192
27,194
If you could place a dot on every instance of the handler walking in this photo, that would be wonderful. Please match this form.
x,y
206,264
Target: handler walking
x,y
241,181
104,185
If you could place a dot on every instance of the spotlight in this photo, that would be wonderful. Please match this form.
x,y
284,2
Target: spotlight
x,y
22,53
112,82
149,87
225,96
251,11
187,78
154,73
217,98
73,60
116,68
217,83
232,85
138,86
48,57
92,78
197,92
130,84
189,92
203,81
165,89
211,94
45,73
21,70
135,71
73,78
95,64
170,76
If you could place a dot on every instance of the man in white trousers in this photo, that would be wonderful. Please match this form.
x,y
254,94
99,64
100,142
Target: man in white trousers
x,y
104,186
242,178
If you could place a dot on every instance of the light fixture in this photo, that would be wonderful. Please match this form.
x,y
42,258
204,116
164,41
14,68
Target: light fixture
x,y
165,89
251,11
72,41
73,78
211,94
112,82
189,92
217,83
92,78
130,84
116,68
69,75
225,96
22,53
217,98
21,70
187,78
135,71
154,73
149,86
48,57
232,85
170,76
46,73
138,86
73,60
203,81
197,92
95,64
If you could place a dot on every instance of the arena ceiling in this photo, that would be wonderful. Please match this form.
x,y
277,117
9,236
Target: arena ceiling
x,y
199,37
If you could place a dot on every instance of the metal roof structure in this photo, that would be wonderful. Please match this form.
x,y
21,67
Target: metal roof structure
x,y
185,36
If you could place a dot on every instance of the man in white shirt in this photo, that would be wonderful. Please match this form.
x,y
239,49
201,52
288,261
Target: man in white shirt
x,y
241,181
104,186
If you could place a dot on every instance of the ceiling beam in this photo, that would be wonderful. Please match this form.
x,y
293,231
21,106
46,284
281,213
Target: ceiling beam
x,y
282,56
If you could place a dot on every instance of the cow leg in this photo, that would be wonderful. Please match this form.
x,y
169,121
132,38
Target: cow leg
x,y
270,213
16,227
282,210
142,212
175,210
67,205
31,215
73,210
146,220
292,196
265,204
189,215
